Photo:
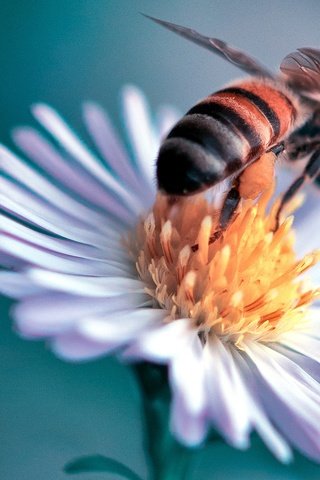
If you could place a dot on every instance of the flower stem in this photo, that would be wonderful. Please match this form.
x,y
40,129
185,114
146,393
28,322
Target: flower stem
x,y
167,459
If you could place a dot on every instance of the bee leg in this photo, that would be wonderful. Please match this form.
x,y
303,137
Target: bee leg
x,y
230,205
228,210
310,173
254,179
277,149
295,151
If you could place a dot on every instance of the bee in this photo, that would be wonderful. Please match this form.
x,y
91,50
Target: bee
x,y
238,132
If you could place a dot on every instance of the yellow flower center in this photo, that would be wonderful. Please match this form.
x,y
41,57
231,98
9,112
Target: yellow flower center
x,y
244,284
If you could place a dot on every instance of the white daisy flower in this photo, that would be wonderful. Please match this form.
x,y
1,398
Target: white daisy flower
x,y
98,267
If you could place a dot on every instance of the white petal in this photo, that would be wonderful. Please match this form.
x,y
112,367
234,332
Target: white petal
x,y
190,429
312,326
74,347
72,144
161,344
17,285
120,326
38,184
224,385
271,437
142,136
19,239
303,344
50,313
290,396
57,262
109,144
84,285
186,374
66,247
26,206
305,362
17,169
81,183
9,261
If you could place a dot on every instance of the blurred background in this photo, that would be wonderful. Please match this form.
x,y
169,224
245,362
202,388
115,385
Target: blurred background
x,y
64,52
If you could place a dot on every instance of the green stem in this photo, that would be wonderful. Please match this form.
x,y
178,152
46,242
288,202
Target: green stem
x,y
168,460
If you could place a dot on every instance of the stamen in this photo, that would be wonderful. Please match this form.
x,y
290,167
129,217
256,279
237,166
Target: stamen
x,y
236,298
165,238
270,317
183,259
261,301
149,228
244,284
189,284
203,239
308,297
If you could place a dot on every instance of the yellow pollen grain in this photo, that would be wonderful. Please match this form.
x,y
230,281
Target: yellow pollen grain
x,y
245,284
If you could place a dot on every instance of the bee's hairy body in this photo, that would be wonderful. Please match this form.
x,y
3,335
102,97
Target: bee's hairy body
x,y
238,132
223,134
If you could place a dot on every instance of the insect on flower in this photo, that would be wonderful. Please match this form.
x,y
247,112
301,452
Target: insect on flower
x,y
99,263
237,132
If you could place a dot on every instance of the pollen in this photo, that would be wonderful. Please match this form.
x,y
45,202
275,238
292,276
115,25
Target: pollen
x,y
246,283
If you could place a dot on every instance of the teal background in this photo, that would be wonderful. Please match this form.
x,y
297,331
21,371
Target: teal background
x,y
63,52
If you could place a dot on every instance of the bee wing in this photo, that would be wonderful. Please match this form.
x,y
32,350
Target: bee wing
x,y
233,55
302,69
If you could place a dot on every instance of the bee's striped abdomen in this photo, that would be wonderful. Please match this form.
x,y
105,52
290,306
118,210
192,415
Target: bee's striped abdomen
x,y
235,122
276,108
221,134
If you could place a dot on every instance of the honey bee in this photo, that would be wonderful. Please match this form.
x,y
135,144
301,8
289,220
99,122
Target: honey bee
x,y
238,132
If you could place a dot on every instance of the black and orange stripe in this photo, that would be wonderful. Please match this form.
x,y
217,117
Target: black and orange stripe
x,y
221,134
262,106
